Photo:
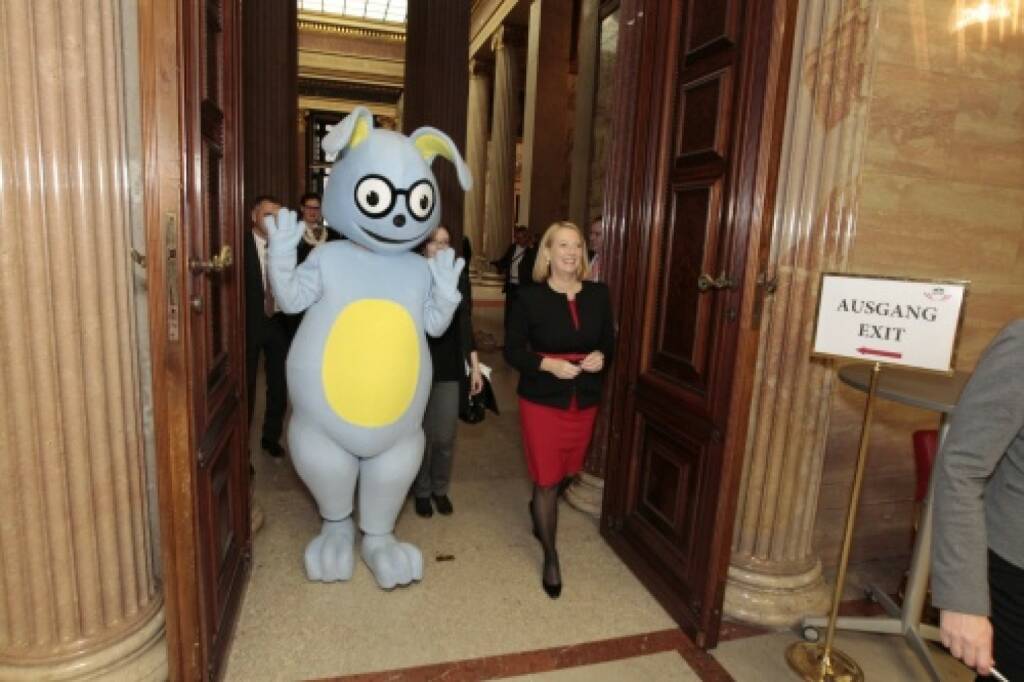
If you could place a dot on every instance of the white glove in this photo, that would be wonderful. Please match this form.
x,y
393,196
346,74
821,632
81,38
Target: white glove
x,y
445,269
284,234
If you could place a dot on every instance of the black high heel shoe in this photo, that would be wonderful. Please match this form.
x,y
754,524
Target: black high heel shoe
x,y
553,590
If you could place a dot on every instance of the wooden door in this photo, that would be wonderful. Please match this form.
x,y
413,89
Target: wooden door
x,y
689,187
190,80
215,330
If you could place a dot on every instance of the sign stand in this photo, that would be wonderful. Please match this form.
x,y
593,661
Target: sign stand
x,y
823,663
892,321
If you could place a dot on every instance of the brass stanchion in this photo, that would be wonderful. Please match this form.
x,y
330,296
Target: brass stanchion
x,y
822,663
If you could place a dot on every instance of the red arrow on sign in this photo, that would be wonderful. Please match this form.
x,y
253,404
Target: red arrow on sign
x,y
864,350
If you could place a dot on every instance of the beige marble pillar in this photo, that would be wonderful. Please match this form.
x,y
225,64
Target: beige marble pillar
x,y
79,598
501,163
476,153
775,574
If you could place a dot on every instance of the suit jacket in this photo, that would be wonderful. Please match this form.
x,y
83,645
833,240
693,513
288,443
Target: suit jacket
x,y
979,479
303,249
255,319
526,262
540,322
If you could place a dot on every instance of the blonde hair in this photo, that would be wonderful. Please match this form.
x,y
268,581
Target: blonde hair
x,y
542,266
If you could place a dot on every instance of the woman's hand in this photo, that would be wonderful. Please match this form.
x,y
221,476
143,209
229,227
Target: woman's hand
x,y
476,381
563,369
594,362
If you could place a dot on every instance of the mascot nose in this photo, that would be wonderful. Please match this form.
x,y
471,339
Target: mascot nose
x,y
398,220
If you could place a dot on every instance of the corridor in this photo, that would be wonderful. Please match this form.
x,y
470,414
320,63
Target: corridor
x,y
479,612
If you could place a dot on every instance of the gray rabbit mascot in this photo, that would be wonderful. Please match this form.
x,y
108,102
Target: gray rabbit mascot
x,y
359,369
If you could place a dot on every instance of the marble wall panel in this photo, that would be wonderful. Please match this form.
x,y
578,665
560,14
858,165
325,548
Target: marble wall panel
x,y
942,196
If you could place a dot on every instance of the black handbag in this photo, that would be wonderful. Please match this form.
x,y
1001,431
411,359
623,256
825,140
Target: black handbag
x,y
473,408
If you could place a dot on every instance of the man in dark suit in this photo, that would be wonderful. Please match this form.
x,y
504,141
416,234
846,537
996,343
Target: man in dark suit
x,y
516,265
266,328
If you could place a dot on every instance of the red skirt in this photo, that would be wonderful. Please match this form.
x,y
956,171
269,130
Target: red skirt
x,y
555,440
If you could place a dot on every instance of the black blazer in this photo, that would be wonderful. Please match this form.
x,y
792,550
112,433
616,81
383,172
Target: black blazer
x,y
303,249
540,321
526,262
255,320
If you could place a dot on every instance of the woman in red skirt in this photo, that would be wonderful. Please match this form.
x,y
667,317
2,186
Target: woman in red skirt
x,y
560,337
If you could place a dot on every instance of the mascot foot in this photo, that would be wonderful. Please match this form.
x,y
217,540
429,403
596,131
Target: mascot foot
x,y
392,562
329,556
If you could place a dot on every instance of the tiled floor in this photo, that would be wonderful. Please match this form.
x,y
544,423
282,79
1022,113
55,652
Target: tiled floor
x,y
479,612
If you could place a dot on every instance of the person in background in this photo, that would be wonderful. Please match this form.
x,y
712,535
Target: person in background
x,y
317,232
449,354
595,242
267,329
560,337
978,550
516,265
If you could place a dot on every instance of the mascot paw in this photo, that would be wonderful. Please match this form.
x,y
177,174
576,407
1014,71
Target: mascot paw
x,y
445,269
285,232
329,556
392,562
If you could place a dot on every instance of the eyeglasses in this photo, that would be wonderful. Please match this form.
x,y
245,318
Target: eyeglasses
x,y
376,196
311,208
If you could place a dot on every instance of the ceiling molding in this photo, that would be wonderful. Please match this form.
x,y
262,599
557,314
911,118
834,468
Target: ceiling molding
x,y
338,67
334,24
345,106
348,90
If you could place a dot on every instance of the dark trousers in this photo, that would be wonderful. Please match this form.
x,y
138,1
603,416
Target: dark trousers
x,y
511,291
272,341
1006,594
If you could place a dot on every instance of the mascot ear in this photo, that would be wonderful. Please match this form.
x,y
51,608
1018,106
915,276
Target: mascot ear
x,y
349,132
431,143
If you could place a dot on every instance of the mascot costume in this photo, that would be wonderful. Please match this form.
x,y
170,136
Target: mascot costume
x,y
359,370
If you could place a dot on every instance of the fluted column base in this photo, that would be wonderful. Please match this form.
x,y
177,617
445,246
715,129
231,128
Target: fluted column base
x,y
761,594
586,494
141,657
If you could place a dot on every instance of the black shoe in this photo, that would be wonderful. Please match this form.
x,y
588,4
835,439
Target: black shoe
x,y
554,588
443,504
272,448
423,507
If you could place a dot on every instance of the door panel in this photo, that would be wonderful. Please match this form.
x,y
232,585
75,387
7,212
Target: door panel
x,y
685,223
211,32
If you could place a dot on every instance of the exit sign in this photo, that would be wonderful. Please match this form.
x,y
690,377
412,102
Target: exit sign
x,y
896,321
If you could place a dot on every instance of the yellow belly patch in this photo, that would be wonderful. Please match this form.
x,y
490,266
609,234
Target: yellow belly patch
x,y
371,363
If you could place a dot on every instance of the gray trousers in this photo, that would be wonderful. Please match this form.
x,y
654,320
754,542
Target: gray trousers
x,y
439,424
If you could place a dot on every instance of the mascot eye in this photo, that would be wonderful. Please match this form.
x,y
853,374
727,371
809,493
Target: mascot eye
x,y
421,200
374,196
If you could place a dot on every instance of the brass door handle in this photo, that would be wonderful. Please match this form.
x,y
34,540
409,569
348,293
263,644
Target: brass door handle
x,y
218,263
705,282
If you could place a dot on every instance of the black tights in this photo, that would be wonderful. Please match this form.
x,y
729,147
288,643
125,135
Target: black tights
x,y
544,510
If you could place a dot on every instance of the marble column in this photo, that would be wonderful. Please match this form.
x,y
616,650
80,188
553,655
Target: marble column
x,y
546,142
587,51
501,163
476,151
775,575
436,91
79,596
